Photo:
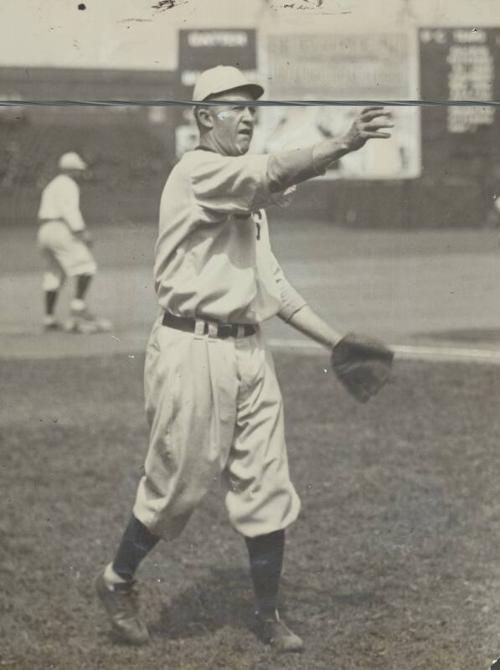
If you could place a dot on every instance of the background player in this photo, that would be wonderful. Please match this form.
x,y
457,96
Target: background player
x,y
212,398
64,242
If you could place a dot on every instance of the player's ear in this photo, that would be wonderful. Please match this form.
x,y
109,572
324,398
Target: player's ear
x,y
203,118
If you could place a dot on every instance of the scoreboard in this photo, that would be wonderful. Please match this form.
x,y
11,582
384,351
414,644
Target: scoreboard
x,y
457,65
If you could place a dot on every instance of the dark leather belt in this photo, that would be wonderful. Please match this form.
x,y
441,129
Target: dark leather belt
x,y
221,330
57,218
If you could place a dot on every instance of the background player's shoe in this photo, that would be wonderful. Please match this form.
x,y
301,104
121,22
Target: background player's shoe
x,y
122,607
50,323
83,321
272,630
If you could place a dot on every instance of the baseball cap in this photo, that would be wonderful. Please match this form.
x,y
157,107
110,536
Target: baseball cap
x,y
222,79
71,161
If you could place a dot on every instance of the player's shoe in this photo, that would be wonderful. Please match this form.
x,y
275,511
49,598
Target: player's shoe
x,y
495,665
273,631
121,603
84,322
51,324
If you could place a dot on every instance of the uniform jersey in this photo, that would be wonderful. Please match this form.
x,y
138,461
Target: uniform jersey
x,y
213,257
61,200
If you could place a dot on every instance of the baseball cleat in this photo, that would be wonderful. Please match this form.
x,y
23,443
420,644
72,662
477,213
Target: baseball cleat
x,y
495,665
86,323
104,325
50,324
80,326
273,631
122,607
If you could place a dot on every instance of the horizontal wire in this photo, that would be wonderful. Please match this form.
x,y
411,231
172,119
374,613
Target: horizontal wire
x,y
256,103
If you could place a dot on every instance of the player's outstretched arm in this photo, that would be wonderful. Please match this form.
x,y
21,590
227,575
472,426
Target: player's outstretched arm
x,y
287,168
309,323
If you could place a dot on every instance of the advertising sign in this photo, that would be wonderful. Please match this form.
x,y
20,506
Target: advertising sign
x,y
353,66
202,49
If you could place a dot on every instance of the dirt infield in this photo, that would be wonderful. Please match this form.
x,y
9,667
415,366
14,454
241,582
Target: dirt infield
x,y
423,287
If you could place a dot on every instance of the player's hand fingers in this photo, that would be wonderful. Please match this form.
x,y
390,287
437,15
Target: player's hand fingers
x,y
377,126
371,108
369,116
368,136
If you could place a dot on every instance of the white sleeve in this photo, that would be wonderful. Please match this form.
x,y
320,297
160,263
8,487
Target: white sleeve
x,y
230,184
291,300
69,205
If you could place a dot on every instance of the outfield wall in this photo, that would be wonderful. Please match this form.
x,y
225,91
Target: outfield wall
x,y
131,150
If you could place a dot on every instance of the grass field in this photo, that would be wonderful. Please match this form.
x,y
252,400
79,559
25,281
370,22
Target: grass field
x,y
393,564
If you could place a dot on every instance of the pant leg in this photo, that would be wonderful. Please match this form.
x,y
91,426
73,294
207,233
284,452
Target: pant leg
x,y
54,274
190,388
260,497
72,255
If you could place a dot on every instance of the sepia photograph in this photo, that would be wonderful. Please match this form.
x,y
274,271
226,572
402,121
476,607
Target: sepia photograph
x,y
249,334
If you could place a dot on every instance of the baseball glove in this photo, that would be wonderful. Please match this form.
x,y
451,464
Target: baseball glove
x,y
362,364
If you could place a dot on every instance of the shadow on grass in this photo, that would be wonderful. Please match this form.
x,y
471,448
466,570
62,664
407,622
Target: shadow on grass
x,y
221,598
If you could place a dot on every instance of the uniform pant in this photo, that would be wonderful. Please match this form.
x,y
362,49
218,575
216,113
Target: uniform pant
x,y
64,254
215,409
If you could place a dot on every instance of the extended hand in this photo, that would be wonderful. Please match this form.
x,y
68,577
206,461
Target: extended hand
x,y
369,124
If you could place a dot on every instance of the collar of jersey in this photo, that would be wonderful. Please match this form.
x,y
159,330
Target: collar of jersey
x,y
200,147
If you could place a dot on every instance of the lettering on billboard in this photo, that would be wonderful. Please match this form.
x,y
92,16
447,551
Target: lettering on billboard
x,y
217,38
357,66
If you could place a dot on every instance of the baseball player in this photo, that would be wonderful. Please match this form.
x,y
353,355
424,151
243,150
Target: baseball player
x,y
212,399
64,242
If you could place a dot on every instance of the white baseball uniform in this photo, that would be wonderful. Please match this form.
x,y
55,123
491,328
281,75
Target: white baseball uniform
x,y
59,214
214,405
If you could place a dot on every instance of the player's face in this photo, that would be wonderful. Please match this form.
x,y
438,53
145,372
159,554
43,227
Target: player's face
x,y
233,124
77,175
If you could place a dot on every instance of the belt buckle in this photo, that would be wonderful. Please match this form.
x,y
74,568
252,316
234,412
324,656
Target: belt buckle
x,y
225,330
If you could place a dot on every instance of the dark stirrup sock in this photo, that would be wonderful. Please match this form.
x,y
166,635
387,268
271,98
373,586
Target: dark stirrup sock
x,y
50,302
136,543
82,283
266,561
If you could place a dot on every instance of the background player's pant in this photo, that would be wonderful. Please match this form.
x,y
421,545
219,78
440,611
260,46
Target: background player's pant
x,y
214,407
64,255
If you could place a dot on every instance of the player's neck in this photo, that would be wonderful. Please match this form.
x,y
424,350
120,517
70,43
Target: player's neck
x,y
208,143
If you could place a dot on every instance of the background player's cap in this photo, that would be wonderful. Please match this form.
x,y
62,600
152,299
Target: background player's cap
x,y
72,161
222,79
